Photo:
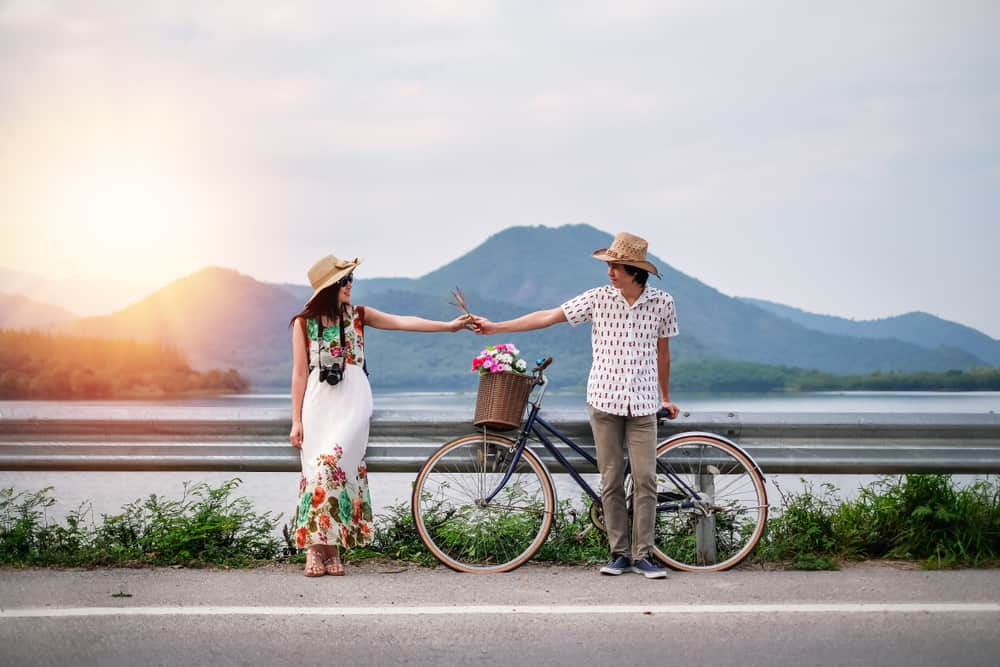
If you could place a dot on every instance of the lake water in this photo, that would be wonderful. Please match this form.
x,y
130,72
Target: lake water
x,y
448,406
107,492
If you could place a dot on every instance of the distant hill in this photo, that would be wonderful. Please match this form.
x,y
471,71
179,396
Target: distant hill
x,y
919,328
82,296
218,317
223,319
20,312
540,267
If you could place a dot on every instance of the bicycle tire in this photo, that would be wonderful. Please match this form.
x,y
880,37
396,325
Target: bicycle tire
x,y
458,528
722,531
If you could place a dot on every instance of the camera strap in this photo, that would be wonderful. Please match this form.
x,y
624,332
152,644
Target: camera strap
x,y
343,352
319,342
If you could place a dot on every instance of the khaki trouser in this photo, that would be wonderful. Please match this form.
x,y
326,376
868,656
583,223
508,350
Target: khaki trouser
x,y
612,435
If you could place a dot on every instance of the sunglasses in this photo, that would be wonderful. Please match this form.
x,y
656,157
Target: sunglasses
x,y
346,280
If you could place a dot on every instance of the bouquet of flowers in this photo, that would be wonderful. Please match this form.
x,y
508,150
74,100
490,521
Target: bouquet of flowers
x,y
499,358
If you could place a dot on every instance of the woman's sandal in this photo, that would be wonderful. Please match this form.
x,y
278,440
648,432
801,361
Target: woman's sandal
x,y
315,567
333,566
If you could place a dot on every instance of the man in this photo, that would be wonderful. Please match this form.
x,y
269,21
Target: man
x,y
630,334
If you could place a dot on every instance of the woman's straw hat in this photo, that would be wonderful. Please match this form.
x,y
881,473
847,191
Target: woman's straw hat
x,y
627,249
328,271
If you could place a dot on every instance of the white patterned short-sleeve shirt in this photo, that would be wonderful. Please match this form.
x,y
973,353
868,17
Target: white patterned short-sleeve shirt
x,y
624,377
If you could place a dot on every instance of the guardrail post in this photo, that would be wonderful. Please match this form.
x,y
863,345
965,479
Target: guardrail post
x,y
704,535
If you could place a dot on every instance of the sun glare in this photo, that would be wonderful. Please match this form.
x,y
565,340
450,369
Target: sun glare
x,y
124,214
104,193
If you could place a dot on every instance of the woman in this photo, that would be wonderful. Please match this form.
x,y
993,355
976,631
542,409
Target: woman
x,y
331,412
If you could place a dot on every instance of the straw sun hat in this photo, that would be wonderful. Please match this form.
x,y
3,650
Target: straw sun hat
x,y
328,271
627,249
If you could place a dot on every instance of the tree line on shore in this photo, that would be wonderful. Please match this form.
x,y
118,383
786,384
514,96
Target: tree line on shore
x,y
39,365
737,376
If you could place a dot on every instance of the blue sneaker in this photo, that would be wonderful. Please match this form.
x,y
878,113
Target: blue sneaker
x,y
618,565
646,568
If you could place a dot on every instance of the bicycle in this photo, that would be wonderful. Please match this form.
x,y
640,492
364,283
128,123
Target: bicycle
x,y
485,503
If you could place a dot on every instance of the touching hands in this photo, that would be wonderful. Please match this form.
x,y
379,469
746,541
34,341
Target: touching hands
x,y
474,323
462,322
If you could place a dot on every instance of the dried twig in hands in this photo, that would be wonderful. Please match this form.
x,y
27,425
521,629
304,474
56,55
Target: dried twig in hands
x,y
459,302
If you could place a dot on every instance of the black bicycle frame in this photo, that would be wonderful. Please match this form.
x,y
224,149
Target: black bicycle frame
x,y
531,425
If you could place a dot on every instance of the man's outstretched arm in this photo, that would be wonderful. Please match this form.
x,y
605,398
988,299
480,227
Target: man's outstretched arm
x,y
536,320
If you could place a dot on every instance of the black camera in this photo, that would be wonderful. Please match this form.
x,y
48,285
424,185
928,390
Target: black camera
x,y
332,375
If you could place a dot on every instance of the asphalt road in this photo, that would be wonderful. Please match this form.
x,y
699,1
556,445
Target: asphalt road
x,y
386,614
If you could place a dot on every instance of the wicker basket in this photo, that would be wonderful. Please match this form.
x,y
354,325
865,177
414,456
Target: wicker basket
x,y
501,400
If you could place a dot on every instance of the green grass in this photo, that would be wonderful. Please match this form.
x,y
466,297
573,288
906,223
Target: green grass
x,y
914,517
206,526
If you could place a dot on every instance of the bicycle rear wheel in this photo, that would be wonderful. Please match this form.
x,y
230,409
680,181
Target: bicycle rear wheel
x,y
721,526
459,527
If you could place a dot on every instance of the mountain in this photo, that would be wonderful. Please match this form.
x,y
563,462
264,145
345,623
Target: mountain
x,y
218,317
20,312
222,319
919,328
83,296
541,267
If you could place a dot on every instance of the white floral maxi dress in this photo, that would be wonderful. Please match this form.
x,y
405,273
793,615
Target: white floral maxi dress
x,y
334,502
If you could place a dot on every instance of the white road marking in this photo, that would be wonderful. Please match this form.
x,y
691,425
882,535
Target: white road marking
x,y
508,610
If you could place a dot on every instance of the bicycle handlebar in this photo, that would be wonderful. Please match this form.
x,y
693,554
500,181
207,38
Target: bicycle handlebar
x,y
542,364
663,413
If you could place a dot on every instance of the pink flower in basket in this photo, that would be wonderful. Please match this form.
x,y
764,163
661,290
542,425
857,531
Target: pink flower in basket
x,y
499,358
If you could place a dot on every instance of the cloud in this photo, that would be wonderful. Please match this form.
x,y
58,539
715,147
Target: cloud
x,y
465,117
383,135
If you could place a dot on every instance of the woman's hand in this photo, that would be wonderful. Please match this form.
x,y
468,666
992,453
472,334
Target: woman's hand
x,y
295,435
460,322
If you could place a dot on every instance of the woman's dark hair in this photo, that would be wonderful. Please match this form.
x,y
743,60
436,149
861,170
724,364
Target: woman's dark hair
x,y
640,275
327,302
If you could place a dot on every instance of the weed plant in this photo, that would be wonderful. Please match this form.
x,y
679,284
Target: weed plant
x,y
921,517
801,533
925,517
395,536
206,526
574,538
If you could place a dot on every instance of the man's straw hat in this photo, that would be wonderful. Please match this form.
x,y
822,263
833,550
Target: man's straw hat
x,y
328,271
627,249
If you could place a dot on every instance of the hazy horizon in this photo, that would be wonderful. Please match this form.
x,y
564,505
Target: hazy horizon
x,y
843,160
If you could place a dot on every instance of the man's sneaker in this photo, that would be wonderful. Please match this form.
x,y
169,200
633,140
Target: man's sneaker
x,y
646,568
619,565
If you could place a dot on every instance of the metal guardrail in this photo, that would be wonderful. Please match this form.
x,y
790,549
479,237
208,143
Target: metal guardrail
x,y
849,443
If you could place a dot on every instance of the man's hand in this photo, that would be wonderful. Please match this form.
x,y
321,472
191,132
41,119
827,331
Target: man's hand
x,y
671,409
483,326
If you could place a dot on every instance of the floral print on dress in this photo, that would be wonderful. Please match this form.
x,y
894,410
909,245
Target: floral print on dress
x,y
354,339
334,510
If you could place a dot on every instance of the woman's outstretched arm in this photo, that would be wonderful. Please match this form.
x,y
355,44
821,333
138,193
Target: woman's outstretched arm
x,y
380,320
300,374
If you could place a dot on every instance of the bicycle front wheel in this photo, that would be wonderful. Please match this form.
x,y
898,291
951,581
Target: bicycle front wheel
x,y
459,527
719,525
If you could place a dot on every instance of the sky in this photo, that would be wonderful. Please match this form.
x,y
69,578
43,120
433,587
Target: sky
x,y
843,158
